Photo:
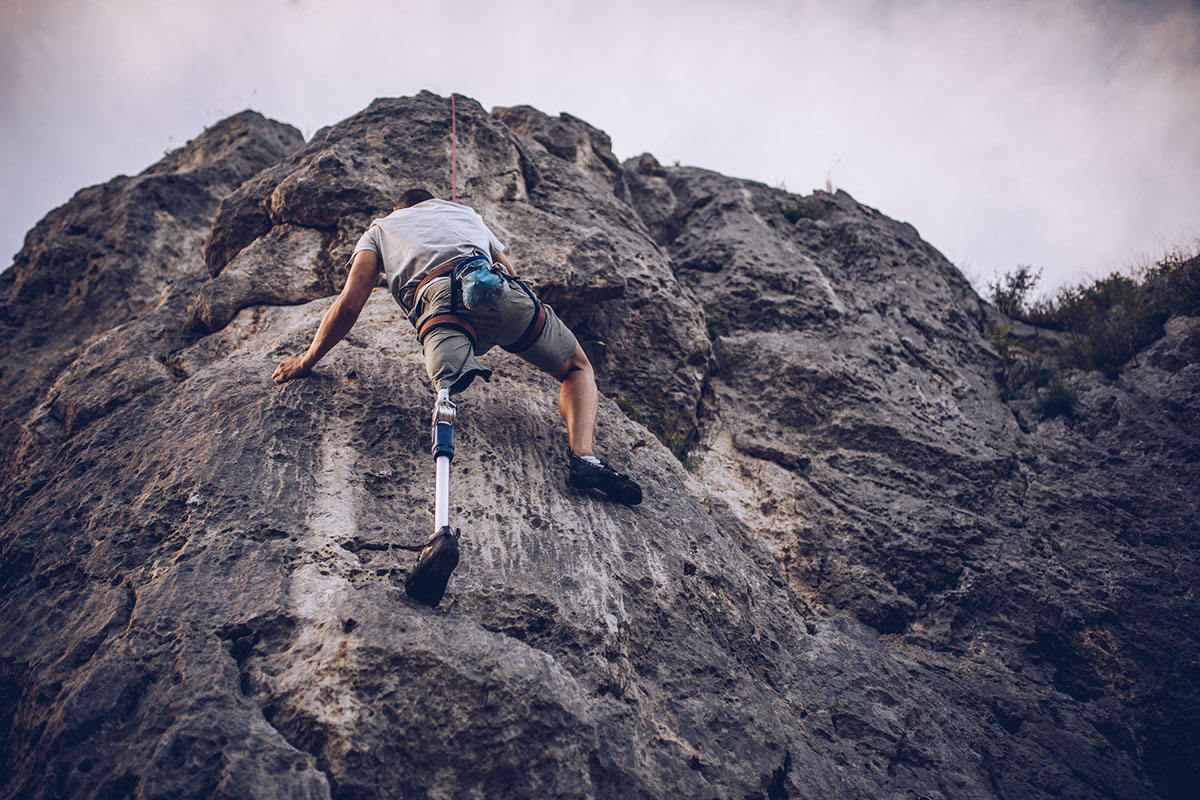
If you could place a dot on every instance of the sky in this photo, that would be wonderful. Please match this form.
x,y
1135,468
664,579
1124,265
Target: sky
x,y
1061,134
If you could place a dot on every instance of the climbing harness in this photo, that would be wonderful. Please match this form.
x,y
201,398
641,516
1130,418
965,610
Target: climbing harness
x,y
476,295
451,317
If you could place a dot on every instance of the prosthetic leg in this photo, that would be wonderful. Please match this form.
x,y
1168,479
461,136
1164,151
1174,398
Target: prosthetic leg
x,y
439,557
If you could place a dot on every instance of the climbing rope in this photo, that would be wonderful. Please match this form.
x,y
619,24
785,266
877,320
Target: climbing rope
x,y
453,153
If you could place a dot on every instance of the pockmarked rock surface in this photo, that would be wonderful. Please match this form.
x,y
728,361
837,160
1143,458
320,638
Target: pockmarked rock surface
x,y
858,572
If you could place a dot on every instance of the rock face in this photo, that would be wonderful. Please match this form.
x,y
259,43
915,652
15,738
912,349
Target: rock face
x,y
873,578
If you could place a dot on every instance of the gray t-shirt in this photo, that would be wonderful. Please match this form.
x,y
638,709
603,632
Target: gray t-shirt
x,y
412,241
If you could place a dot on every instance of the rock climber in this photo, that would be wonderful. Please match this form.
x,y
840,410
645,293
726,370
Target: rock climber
x,y
418,247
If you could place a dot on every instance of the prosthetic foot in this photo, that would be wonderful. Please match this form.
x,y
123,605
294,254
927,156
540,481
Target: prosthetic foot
x,y
438,558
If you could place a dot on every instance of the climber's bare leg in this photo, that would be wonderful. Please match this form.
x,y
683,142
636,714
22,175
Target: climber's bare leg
x,y
578,401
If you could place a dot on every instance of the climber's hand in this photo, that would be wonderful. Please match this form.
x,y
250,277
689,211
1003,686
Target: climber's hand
x,y
291,368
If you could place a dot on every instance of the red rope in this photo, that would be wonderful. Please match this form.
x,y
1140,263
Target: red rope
x,y
453,153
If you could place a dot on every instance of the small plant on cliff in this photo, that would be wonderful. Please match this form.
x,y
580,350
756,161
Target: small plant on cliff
x,y
1057,398
716,321
800,209
614,682
1010,294
171,362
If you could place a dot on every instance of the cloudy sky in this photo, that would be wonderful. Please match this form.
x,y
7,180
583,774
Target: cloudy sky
x,y
1064,134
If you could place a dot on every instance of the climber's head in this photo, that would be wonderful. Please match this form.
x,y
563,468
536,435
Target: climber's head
x,y
412,197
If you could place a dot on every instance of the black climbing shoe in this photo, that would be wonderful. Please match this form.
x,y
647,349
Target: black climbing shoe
x,y
612,484
438,558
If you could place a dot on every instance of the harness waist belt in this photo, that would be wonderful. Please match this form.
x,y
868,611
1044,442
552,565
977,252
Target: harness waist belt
x,y
436,272
444,269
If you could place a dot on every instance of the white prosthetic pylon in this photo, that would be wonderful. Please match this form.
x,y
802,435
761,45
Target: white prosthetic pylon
x,y
444,412
439,557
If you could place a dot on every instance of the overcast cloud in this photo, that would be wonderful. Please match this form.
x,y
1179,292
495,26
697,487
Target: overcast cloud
x,y
1065,135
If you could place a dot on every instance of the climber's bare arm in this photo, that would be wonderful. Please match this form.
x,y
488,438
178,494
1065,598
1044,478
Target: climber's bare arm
x,y
339,319
503,259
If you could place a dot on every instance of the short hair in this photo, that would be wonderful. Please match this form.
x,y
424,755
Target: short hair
x,y
412,197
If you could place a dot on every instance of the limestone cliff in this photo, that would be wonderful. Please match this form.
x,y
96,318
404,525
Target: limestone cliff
x,y
859,572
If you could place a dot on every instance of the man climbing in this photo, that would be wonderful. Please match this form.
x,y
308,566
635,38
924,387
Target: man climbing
x,y
429,250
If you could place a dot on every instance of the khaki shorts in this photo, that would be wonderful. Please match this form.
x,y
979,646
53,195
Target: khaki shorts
x,y
449,355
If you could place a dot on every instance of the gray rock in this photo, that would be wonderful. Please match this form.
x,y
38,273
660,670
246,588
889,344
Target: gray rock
x,y
121,250
857,423
875,579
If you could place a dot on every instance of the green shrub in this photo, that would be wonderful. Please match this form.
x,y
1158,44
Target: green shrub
x,y
614,681
800,209
1056,398
1176,279
1010,293
1110,320
171,362
1106,323
716,321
